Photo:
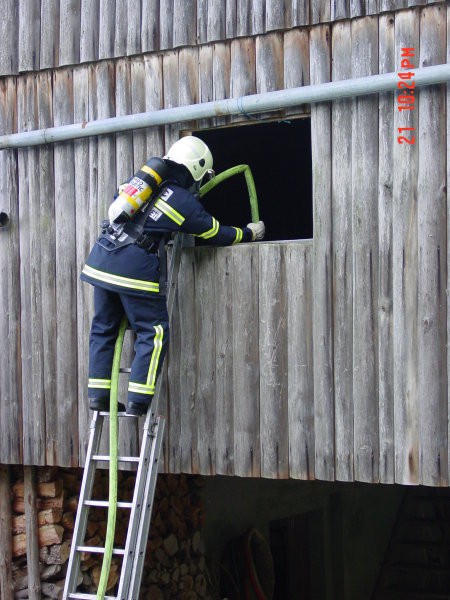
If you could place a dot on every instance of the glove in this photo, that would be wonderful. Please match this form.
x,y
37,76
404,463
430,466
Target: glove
x,y
258,230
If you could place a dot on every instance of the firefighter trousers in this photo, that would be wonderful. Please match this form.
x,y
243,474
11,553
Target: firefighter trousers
x,y
147,316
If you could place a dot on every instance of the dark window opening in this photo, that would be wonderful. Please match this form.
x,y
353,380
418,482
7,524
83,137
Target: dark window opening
x,y
279,155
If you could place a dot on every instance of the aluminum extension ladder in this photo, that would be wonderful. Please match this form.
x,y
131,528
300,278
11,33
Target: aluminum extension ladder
x,y
140,507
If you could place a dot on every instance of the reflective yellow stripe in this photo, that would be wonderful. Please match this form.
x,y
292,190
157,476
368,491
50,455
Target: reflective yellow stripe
x,y
141,388
239,234
157,346
149,387
101,384
211,232
134,284
151,172
169,211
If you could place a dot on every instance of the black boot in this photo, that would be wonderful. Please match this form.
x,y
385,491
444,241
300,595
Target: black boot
x,y
137,409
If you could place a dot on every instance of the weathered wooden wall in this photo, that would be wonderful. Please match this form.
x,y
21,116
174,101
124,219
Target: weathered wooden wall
x,y
365,303
42,34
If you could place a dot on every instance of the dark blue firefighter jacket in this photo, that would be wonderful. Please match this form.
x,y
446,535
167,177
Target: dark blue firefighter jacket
x,y
132,269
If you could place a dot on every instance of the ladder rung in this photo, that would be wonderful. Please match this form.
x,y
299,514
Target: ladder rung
x,y
105,503
81,596
98,550
105,458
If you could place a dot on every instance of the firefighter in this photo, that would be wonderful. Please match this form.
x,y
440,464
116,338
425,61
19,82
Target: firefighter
x,y
123,266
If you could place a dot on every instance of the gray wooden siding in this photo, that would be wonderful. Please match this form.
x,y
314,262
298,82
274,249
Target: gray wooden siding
x,y
42,34
324,359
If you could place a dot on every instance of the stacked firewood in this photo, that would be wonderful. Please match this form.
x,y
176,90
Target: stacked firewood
x,y
175,564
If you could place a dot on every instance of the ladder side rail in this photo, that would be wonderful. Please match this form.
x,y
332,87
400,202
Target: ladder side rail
x,y
82,512
146,513
148,442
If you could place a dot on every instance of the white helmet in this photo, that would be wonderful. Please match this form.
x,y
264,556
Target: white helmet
x,y
193,153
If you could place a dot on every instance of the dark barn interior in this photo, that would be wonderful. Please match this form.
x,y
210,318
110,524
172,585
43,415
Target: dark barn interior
x,y
279,155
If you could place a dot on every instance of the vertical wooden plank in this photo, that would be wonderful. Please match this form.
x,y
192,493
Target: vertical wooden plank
x,y
322,260
170,92
188,361
188,80
342,265
448,219
137,80
243,70
29,35
107,178
205,78
9,52
84,211
298,12
386,134
258,16
221,70
405,292
365,254
231,19
69,36
269,62
300,377
30,280
205,337
273,363
340,9
31,527
175,386
154,101
246,372
243,17
216,20
49,45
66,379
357,8
184,22
89,28
150,25
121,28
166,24
134,21
46,221
124,140
10,365
106,29
275,15
320,11
296,63
432,264
202,8
372,7
224,358
6,580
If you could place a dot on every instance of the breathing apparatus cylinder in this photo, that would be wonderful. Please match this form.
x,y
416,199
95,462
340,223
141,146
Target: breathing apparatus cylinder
x,y
139,190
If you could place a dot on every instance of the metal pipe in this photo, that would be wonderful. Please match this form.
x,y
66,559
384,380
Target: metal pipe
x,y
246,105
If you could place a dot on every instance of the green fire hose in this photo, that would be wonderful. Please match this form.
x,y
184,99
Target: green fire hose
x,y
113,447
250,186
113,420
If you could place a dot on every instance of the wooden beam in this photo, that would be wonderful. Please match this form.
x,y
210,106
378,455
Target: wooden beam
x,y
31,526
6,582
